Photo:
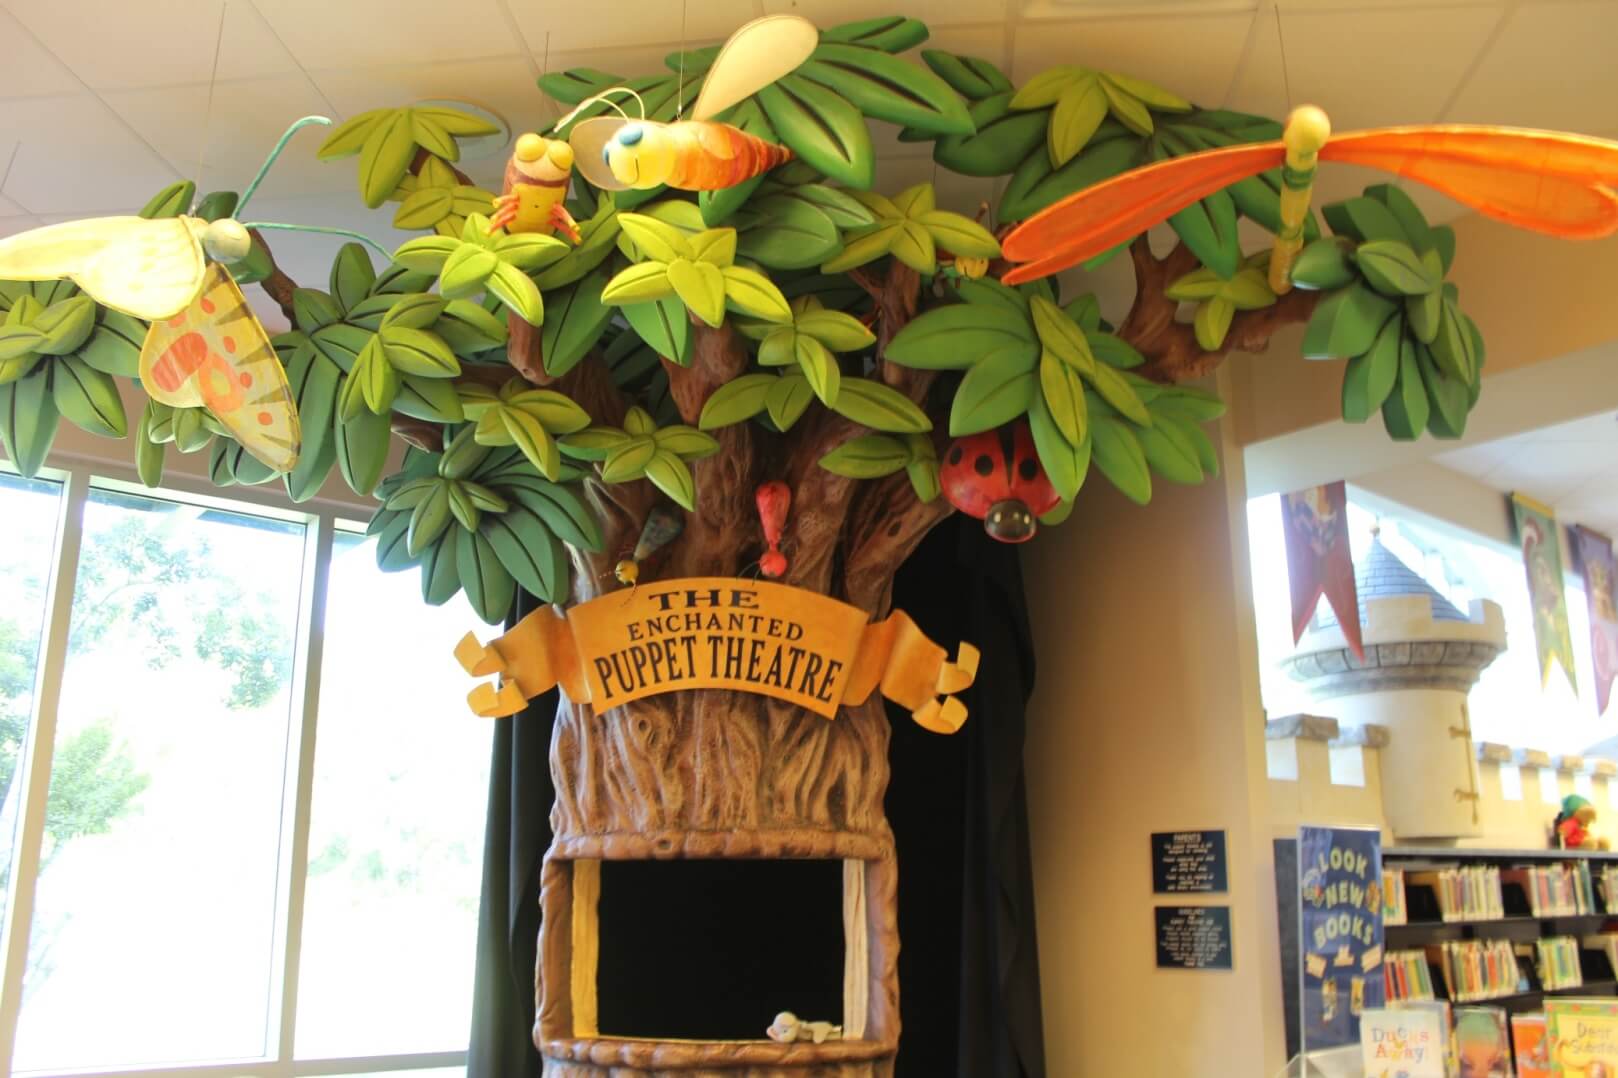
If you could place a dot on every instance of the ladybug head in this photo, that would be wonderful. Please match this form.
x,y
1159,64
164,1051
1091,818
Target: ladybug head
x,y
996,477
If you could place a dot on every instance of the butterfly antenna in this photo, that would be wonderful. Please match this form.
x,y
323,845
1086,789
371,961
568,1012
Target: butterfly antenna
x,y
297,125
605,98
322,230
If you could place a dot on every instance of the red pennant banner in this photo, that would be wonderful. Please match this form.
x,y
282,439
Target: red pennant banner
x,y
1319,560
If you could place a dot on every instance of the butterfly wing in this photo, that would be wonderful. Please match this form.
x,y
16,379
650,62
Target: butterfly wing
x,y
1545,181
755,56
147,268
1099,218
215,353
588,139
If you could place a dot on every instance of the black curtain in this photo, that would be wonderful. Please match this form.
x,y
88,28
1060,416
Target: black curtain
x,y
968,961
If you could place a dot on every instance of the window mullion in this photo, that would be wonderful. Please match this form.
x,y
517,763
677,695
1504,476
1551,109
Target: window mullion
x,y
34,768
300,784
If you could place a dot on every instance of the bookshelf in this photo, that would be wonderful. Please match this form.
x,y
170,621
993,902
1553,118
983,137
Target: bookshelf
x,y
1552,906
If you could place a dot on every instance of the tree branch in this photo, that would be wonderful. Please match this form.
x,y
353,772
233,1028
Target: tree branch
x,y
278,286
886,526
1170,347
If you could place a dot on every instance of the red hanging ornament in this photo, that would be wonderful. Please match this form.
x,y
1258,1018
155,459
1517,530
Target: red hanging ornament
x,y
774,499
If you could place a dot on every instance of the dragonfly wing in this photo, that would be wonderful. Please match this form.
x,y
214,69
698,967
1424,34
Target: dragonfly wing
x,y
55,251
1544,181
755,56
216,353
588,139
147,268
1099,218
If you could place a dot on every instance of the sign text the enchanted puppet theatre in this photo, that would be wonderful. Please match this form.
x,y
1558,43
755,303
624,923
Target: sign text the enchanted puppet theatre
x,y
716,636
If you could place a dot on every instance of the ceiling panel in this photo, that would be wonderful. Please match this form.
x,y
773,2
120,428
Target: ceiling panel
x,y
102,168
234,136
1399,67
932,12
616,23
1551,66
1571,466
155,42
26,69
1194,56
371,33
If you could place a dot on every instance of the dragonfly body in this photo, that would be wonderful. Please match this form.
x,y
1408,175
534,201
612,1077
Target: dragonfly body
x,y
692,155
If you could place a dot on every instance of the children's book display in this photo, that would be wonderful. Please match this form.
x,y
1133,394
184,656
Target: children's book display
x,y
1340,895
1403,1043
1529,1048
1557,960
1582,1037
688,345
1465,893
1478,969
1482,1043
1408,976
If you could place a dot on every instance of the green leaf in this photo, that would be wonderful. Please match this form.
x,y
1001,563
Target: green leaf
x,y
629,460
1406,411
887,88
789,233
114,346
955,336
664,327
362,449
352,275
1369,378
1171,452
466,270
701,287
822,128
418,352
1060,335
559,507
312,310
865,245
172,201
1323,264
429,518
1448,398
440,579
1117,390
1394,269
423,209
638,283
787,399
737,400
969,76
1004,138
488,586
1119,455
1130,110
1443,241
529,552
86,397
913,245
1426,315
1345,323
350,136
715,246
890,33
28,421
996,389
838,331
1065,464
687,443
528,434
415,310
148,454
671,475
1113,350
880,407
1412,222
657,241
595,443
425,254
752,293
516,290
469,329
959,235
1452,347
528,251
1064,398
1212,322
65,325
375,376
385,157
1035,185
870,456
1148,93
577,318
1079,111
1363,219
1208,227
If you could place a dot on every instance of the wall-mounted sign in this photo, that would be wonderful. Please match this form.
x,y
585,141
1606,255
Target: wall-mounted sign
x,y
720,633
1193,937
1188,862
1340,931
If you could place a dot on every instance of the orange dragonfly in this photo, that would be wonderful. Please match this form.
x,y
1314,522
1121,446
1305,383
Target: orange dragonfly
x,y
1545,181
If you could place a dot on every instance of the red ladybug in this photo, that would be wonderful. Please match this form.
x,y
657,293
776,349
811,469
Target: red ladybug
x,y
995,476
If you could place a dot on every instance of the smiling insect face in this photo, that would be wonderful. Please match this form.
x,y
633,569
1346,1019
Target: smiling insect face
x,y
639,154
542,159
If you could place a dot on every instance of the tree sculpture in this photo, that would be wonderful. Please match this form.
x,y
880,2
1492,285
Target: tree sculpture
x,y
677,349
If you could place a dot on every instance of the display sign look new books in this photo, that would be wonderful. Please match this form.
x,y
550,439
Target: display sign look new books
x,y
1583,1035
1402,1043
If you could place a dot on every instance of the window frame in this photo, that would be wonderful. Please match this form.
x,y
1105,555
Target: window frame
x,y
322,520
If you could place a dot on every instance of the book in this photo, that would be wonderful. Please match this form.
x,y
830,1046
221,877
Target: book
x,y
1556,958
1407,975
1609,888
1402,1043
1482,1042
1529,1046
1394,911
1554,890
1440,1008
1464,892
1478,969
1583,1037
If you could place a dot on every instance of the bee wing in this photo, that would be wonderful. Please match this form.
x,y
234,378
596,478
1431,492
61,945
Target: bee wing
x,y
147,268
588,139
755,56
216,353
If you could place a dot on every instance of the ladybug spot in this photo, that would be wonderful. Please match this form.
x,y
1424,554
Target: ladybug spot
x,y
955,455
1028,469
983,465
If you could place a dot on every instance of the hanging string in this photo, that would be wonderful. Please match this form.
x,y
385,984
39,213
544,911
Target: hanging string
x,y
297,125
10,161
679,78
323,230
213,80
1281,42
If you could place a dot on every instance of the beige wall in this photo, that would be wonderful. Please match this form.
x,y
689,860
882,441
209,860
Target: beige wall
x,y
1146,718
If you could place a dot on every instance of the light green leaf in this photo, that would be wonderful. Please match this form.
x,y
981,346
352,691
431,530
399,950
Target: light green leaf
x,y
639,283
664,326
657,240
86,397
752,293
868,457
819,367
1064,398
701,287
737,400
629,460
516,290
670,475
787,399
879,407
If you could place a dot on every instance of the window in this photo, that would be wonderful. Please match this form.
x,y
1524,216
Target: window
x,y
257,832
1508,705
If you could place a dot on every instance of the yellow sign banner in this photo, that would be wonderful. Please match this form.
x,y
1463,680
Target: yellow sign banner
x,y
720,633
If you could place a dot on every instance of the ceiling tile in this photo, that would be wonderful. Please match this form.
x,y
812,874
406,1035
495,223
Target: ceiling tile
x,y
1194,56
307,257
10,226
77,157
1366,70
9,208
242,126
26,69
617,23
1551,66
826,13
183,51
370,33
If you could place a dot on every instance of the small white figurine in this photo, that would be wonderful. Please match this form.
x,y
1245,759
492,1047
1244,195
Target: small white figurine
x,y
787,1028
